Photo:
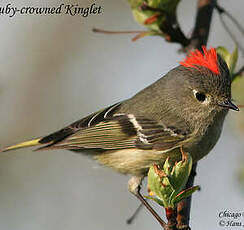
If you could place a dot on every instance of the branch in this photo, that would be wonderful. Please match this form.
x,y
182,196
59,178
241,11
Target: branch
x,y
96,30
222,11
202,24
170,27
184,207
171,217
166,23
174,32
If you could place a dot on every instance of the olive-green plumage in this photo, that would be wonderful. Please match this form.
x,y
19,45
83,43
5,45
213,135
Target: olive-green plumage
x,y
185,108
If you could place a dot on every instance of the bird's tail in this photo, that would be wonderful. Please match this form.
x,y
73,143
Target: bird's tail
x,y
24,144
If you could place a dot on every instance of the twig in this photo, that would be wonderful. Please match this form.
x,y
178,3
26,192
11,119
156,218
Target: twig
x,y
202,24
171,217
232,18
145,6
96,30
222,11
151,210
174,32
134,215
170,27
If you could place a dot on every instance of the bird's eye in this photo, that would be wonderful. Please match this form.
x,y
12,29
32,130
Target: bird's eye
x,y
200,96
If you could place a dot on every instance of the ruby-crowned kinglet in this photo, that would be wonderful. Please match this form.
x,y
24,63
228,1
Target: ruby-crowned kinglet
x,y
184,109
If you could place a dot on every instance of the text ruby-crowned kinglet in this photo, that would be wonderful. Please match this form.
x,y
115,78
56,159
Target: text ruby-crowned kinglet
x,y
184,109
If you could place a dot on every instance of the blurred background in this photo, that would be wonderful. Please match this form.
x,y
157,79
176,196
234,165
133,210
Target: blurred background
x,y
55,70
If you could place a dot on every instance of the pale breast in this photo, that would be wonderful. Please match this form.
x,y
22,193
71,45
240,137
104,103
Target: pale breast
x,y
135,161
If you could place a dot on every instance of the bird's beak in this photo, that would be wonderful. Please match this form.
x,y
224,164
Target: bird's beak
x,y
228,104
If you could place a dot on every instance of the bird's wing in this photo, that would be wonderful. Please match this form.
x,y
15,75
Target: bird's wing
x,y
107,130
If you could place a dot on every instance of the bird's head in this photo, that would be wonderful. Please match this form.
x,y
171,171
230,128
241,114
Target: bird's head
x,y
201,85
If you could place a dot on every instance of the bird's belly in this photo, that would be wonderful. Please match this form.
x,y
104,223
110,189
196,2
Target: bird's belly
x,y
135,161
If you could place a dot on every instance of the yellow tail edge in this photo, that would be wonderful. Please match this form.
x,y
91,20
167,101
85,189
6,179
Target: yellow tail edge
x,y
24,144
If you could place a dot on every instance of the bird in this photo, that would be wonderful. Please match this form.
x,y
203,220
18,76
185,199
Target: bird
x,y
182,111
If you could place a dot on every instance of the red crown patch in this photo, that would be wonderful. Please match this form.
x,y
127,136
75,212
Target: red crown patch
x,y
206,59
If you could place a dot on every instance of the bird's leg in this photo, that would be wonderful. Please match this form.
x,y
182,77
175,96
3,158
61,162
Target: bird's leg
x,y
134,186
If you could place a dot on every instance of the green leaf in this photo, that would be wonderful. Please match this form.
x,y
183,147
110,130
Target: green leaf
x,y
233,60
141,16
181,172
166,183
154,19
158,201
223,52
159,185
168,6
230,58
167,167
184,194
